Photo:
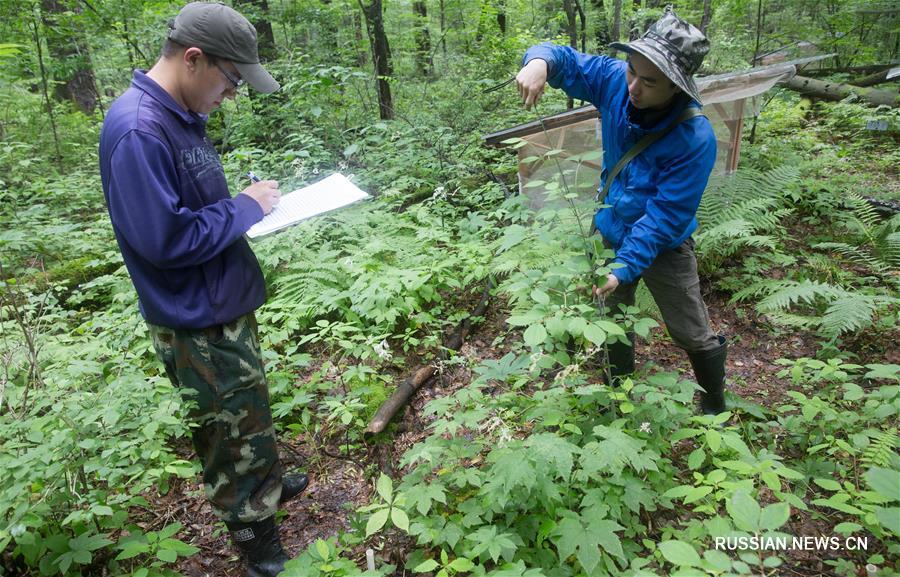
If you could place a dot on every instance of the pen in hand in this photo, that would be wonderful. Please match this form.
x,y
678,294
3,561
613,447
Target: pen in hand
x,y
267,198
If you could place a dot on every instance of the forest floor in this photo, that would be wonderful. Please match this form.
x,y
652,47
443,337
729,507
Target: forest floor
x,y
338,483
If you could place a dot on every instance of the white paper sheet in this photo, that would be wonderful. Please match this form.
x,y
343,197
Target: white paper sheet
x,y
317,198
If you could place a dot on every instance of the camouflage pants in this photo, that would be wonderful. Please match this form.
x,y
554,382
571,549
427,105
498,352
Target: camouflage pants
x,y
221,370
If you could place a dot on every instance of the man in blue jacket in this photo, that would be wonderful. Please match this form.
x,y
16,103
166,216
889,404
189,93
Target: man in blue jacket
x,y
651,204
182,239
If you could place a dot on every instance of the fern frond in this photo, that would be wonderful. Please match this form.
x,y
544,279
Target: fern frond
x,y
856,255
790,292
880,452
847,313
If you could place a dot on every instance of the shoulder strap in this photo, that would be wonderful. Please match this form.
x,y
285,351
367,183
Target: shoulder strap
x,y
639,147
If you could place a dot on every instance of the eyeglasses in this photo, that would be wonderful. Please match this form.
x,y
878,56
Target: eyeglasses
x,y
235,82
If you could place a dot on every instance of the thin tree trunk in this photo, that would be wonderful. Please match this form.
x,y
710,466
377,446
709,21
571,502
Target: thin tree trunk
x,y
443,30
69,47
258,14
381,56
580,10
617,25
602,33
424,61
362,55
707,15
572,31
501,16
46,89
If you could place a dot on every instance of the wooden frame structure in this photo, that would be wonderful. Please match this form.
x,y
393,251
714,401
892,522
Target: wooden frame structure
x,y
725,98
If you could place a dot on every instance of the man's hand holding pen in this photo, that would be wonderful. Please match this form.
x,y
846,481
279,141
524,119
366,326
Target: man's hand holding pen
x,y
264,192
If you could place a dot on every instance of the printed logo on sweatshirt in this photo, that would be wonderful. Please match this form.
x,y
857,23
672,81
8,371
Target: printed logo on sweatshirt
x,y
199,160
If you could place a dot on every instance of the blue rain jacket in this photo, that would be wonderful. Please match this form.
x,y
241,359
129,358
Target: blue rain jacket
x,y
180,232
654,199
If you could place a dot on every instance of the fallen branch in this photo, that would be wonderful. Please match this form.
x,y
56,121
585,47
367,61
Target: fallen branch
x,y
422,375
838,91
873,79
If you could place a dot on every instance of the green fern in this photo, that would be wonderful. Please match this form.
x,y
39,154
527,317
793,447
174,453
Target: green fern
x,y
881,451
877,246
786,293
741,211
849,313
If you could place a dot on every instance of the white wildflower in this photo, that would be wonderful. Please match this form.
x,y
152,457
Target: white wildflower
x,y
645,427
535,359
383,350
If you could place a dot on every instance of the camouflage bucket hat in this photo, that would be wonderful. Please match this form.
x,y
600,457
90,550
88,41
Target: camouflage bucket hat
x,y
675,47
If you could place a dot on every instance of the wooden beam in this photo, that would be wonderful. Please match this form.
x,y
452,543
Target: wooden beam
x,y
562,119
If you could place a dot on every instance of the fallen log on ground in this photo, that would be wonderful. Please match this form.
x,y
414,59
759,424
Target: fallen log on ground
x,y
423,374
868,69
837,91
873,79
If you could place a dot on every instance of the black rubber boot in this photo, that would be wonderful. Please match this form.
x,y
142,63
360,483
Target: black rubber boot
x,y
621,360
260,546
709,368
291,486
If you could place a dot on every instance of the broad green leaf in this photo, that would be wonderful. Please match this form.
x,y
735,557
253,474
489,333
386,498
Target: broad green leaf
x,y
679,553
426,566
462,564
744,511
889,517
714,440
886,482
400,519
377,521
535,335
696,458
828,484
132,549
385,487
322,549
697,493
774,516
594,334
540,296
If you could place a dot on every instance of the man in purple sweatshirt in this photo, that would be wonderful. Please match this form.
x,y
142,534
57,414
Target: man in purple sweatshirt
x,y
182,238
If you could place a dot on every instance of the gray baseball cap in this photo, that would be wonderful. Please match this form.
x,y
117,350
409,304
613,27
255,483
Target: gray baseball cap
x,y
221,31
675,47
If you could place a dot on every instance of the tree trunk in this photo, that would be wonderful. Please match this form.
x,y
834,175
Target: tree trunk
x,y
35,23
257,12
381,56
872,79
602,34
68,46
617,25
501,16
707,15
424,62
572,31
362,55
443,30
837,91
